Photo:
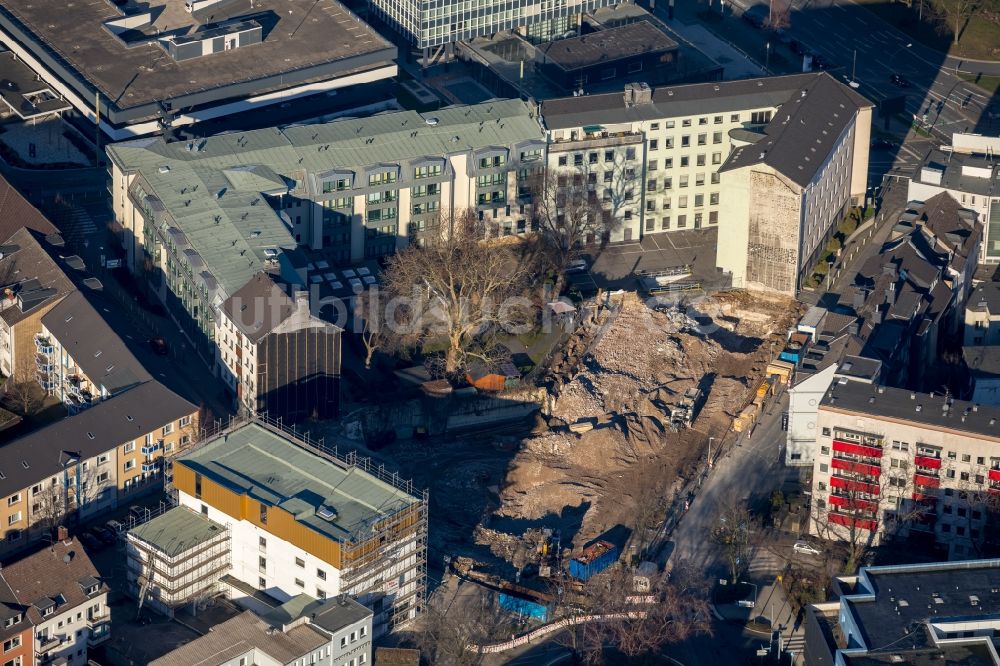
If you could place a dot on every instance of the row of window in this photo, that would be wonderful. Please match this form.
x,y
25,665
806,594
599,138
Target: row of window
x,y
681,222
685,161
682,202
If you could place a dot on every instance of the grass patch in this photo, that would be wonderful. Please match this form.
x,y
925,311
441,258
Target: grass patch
x,y
990,84
980,38
917,129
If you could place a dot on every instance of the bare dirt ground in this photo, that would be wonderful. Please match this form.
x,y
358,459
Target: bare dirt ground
x,y
625,375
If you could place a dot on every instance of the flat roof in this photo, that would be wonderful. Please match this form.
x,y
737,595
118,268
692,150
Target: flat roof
x,y
266,465
332,614
951,165
177,530
297,36
922,409
24,93
606,46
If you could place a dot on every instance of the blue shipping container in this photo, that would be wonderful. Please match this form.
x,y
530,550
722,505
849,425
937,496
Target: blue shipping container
x,y
523,607
596,558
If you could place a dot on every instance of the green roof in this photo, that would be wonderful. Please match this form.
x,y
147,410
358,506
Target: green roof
x,y
211,187
260,462
177,530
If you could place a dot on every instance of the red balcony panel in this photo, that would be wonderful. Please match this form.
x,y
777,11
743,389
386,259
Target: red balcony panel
x,y
926,481
853,503
994,489
857,449
856,467
923,497
855,486
848,521
927,461
995,475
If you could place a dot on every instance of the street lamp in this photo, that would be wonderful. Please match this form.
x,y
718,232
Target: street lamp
x,y
767,57
754,585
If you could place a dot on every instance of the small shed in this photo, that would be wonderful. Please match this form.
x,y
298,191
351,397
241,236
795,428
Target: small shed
x,y
562,313
486,378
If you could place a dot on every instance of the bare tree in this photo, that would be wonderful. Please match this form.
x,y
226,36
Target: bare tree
x,y
736,534
23,392
373,333
569,217
455,287
779,15
652,485
955,15
450,624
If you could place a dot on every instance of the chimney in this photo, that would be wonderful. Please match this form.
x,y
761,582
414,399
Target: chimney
x,y
62,534
637,94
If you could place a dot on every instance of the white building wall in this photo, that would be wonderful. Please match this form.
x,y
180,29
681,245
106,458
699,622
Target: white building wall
x,y
803,405
71,626
828,194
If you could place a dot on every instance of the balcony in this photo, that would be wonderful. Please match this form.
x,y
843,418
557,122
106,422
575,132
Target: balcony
x,y
853,503
924,497
926,481
44,363
928,462
994,475
44,644
856,467
841,446
100,630
150,449
854,486
850,521
44,346
151,467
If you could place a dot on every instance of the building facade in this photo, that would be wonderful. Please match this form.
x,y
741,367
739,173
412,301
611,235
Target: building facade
x,y
303,521
89,463
60,592
893,462
275,356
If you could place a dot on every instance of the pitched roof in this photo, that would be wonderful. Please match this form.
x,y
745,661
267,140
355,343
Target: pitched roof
x,y
110,423
238,636
93,344
33,276
17,212
56,574
986,298
803,131
258,307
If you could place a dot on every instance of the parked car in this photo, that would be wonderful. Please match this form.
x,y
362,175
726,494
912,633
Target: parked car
x,y
105,535
159,346
757,15
114,526
805,548
577,266
883,144
137,512
898,81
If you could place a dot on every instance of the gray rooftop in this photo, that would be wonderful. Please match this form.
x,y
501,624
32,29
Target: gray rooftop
x,y
242,634
922,409
24,93
983,361
93,344
257,461
258,307
606,46
939,593
985,298
333,614
177,530
301,39
34,277
213,198
803,131
110,423
952,164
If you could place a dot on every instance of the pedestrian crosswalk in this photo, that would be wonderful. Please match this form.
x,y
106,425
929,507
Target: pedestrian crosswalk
x,y
76,225
766,563
795,643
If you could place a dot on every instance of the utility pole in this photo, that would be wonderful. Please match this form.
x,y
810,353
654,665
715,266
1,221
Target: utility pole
x,y
710,452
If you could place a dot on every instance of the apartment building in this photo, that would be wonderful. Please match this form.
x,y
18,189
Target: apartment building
x,y
892,462
275,356
80,359
940,612
201,218
61,594
31,284
967,171
91,462
17,634
687,134
304,521
982,315
303,631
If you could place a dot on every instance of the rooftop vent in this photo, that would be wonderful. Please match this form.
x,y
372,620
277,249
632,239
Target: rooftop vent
x,y
327,513
165,169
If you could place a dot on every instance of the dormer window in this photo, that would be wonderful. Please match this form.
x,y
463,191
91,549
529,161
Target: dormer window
x,y
11,621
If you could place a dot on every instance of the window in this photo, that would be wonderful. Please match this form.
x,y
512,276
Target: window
x,y
734,118
652,165
713,217
713,199
262,583
262,564
654,126
609,156
320,593
654,144
435,170
682,221
197,486
591,158
204,509
980,460
668,163
37,488
824,467
13,499
578,160
300,583
129,447
685,161
682,202
900,446
167,429
760,117
562,160
964,476
980,479
686,122
630,153
683,182
702,139
717,137
897,483
716,158
263,514
966,458
11,643
103,458
951,474
700,160
665,223
321,574
14,518
184,421
382,178
699,200
899,464
826,432
951,455
299,562
129,465
716,178
103,477
651,185
262,542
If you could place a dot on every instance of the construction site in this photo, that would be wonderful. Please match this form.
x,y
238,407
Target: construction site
x,y
636,396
